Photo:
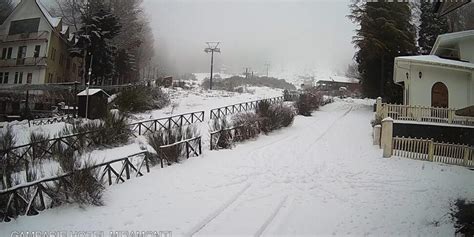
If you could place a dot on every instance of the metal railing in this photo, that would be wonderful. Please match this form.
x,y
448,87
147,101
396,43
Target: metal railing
x,y
241,107
225,137
428,150
20,62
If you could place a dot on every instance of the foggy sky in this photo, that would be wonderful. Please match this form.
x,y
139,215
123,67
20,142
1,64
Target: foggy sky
x,y
290,35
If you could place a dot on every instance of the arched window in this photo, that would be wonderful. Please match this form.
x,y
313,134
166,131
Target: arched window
x,y
439,95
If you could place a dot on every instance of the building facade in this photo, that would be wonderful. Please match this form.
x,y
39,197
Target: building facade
x,y
34,47
445,78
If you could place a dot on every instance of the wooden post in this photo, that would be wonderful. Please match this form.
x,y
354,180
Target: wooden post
x,y
418,112
377,131
466,156
387,133
431,151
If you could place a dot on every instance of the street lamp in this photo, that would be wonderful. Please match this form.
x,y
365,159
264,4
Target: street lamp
x,y
212,47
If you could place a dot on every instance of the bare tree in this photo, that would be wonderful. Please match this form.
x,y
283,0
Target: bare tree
x,y
6,7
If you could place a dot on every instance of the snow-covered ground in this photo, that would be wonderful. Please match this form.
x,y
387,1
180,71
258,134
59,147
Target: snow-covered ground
x,y
182,101
321,176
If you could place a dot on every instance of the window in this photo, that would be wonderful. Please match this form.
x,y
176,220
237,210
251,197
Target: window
x,y
1,77
5,78
24,26
68,63
50,78
4,53
20,58
18,78
9,53
61,59
37,51
29,78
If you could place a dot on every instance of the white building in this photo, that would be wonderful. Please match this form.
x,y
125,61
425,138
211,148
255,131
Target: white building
x,y
445,78
33,47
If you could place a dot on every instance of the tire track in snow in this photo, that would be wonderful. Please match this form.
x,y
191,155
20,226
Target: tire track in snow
x,y
271,217
216,213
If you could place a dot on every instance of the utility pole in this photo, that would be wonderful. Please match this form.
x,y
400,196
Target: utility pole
x,y
211,48
87,88
268,66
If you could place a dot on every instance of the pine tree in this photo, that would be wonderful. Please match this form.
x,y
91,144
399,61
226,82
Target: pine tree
x,y
431,26
6,7
385,32
100,26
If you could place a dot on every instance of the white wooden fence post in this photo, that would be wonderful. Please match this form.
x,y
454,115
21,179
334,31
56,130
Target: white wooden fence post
x,y
466,155
431,151
377,131
387,137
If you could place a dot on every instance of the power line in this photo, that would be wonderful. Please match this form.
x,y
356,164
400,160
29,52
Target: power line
x,y
211,48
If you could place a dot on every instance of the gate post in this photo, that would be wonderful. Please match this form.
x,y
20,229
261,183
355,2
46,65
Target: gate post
x,y
378,107
377,131
387,137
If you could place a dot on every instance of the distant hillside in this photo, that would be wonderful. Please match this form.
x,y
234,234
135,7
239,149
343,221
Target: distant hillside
x,y
230,84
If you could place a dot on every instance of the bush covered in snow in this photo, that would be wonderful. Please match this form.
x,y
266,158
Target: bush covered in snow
x,y
224,139
164,137
273,117
7,162
83,186
309,102
113,130
141,99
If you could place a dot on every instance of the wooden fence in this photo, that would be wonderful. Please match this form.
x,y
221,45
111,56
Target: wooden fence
x,y
428,150
52,120
225,137
241,107
423,114
167,123
33,197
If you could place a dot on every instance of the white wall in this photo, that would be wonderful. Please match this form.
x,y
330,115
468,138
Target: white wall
x,y
466,48
459,86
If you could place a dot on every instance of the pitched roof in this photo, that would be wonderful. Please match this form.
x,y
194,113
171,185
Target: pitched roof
x,y
451,38
54,21
91,92
435,60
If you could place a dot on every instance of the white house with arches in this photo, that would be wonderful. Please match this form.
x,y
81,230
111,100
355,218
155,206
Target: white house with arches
x,y
445,78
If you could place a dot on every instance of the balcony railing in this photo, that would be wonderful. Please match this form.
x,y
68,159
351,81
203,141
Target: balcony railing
x,y
22,62
41,35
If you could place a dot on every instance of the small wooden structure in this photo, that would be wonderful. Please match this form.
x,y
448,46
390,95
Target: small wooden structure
x,y
97,103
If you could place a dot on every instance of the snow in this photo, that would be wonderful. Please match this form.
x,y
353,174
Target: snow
x,y
435,60
91,92
321,176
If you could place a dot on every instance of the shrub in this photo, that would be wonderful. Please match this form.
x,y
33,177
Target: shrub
x,y
163,137
113,130
8,164
308,102
249,126
224,139
40,145
464,217
82,186
140,99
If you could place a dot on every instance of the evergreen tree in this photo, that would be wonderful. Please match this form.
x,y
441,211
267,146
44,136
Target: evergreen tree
x,y
6,7
431,26
94,40
385,32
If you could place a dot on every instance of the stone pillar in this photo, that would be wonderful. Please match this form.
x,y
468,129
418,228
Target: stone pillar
x,y
377,131
387,135
378,107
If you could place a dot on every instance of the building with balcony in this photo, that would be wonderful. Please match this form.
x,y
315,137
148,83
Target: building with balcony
x,y
34,47
445,78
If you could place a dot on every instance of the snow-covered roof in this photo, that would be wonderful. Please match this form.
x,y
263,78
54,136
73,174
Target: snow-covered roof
x,y
64,29
91,92
437,61
54,21
343,79
451,39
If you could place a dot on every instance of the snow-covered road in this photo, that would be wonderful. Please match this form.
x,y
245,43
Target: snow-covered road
x,y
321,176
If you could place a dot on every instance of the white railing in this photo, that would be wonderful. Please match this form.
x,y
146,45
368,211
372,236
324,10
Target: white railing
x,y
422,114
40,61
41,35
428,150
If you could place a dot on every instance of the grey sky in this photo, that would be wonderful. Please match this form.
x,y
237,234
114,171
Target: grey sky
x,y
290,35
